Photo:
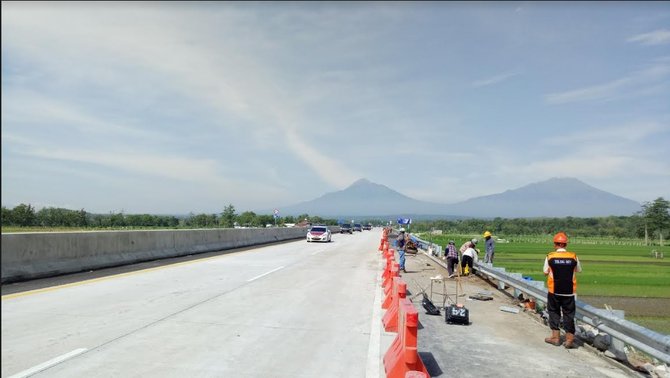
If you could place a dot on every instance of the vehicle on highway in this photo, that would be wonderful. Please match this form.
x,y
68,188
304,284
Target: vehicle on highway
x,y
358,227
319,233
345,228
367,227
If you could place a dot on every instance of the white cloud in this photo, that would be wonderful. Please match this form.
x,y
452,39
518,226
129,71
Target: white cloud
x,y
198,57
206,175
598,166
20,108
621,135
615,89
596,92
494,79
657,37
176,168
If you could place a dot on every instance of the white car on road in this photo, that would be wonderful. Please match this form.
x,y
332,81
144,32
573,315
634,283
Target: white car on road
x,y
318,233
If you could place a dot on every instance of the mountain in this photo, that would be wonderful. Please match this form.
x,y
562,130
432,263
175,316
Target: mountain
x,y
556,197
363,198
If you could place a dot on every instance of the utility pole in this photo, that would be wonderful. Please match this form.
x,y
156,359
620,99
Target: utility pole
x,y
646,235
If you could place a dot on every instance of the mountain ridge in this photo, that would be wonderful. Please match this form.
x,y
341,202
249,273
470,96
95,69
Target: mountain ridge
x,y
555,197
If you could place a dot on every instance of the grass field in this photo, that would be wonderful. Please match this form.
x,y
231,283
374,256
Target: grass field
x,y
616,271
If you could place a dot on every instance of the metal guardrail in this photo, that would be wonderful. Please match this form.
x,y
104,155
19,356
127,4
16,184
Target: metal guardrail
x,y
653,343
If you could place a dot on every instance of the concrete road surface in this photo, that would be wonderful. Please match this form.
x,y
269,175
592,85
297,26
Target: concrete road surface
x,y
292,309
286,310
496,343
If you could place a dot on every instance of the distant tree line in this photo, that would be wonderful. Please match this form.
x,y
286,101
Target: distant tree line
x,y
652,220
25,215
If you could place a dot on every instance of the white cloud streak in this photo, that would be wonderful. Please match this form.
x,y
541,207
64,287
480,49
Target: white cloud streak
x,y
494,79
656,37
620,135
184,169
615,89
67,115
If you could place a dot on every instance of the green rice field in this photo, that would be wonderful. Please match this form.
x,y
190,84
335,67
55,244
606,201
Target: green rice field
x,y
623,275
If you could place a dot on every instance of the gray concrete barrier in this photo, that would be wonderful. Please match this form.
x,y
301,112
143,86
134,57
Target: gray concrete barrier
x,y
35,255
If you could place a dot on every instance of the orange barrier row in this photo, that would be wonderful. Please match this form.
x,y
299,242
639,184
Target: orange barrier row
x,y
384,240
402,359
392,303
393,292
395,272
387,265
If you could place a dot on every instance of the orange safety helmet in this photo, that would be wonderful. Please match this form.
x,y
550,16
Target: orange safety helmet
x,y
561,237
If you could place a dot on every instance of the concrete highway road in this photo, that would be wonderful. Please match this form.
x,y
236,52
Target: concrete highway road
x,y
293,309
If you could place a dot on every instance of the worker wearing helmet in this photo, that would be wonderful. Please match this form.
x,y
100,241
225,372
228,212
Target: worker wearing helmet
x,y
490,247
400,243
560,267
468,244
468,259
468,254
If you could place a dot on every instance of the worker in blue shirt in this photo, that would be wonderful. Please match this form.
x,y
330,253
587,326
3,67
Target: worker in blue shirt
x,y
490,247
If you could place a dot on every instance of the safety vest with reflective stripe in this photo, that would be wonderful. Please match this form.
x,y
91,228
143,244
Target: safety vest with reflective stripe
x,y
562,278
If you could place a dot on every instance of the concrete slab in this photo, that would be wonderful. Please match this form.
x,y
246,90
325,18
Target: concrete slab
x,y
496,343
286,310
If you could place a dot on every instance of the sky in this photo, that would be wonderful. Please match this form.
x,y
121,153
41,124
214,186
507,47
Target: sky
x,y
180,107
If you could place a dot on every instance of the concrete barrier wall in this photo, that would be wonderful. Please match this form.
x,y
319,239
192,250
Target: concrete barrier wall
x,y
35,255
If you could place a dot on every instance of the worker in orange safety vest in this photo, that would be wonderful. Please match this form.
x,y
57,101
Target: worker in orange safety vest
x,y
560,267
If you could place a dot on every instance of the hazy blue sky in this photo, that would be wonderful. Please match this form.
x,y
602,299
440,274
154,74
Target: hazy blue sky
x,y
166,107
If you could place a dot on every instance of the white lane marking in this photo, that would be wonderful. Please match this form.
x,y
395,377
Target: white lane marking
x,y
265,274
48,364
317,252
374,352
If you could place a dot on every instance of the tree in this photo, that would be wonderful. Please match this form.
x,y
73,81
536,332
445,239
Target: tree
x,y
117,220
264,220
248,219
203,220
657,215
228,216
6,216
24,215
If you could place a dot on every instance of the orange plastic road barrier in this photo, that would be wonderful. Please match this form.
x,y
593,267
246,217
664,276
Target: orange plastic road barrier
x,y
387,267
390,319
402,356
392,296
390,254
388,282
384,240
384,246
